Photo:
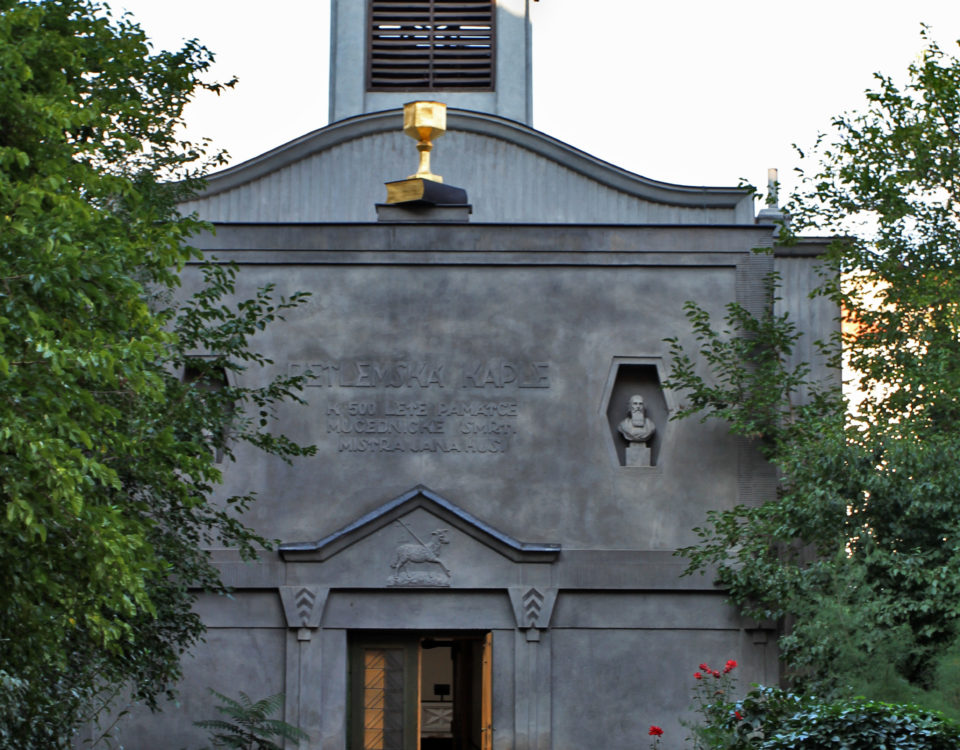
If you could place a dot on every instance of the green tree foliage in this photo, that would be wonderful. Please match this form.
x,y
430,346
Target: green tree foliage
x,y
108,454
859,553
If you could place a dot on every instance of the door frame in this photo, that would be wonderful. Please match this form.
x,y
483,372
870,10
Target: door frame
x,y
408,643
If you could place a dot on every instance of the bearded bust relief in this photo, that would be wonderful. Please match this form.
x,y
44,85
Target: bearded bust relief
x,y
638,430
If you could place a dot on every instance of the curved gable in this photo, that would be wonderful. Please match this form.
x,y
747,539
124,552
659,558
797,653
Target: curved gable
x,y
512,173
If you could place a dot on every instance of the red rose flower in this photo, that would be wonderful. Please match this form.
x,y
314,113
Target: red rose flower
x,y
655,731
715,673
704,667
697,676
730,665
737,715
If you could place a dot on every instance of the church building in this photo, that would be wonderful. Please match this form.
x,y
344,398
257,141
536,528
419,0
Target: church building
x,y
481,552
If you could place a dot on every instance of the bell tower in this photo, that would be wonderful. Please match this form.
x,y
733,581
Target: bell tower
x,y
471,54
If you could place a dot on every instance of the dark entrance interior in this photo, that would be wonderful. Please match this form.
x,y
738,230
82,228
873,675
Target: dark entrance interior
x,y
423,691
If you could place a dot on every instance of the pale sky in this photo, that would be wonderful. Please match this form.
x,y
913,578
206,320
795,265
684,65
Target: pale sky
x,y
696,92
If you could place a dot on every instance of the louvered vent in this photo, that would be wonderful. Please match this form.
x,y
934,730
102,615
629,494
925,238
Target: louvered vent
x,y
420,45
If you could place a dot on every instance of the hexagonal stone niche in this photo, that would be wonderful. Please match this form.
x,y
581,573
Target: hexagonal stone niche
x,y
629,378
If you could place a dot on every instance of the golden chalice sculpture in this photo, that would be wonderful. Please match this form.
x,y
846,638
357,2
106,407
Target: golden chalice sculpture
x,y
425,121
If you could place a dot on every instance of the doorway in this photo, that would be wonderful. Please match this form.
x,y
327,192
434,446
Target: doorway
x,y
423,691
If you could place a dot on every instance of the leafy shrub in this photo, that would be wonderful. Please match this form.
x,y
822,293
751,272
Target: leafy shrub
x,y
773,719
247,725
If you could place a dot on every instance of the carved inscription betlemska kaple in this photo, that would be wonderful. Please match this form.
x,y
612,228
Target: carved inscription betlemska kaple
x,y
407,406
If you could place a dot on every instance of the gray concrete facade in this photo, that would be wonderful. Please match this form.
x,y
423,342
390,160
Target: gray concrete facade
x,y
467,380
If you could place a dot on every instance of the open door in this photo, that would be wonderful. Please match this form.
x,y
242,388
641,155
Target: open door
x,y
421,692
384,694
486,694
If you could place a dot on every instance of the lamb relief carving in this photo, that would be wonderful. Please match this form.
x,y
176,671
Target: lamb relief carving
x,y
418,563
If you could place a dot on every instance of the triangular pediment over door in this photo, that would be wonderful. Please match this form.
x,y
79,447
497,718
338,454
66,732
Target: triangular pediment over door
x,y
419,540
